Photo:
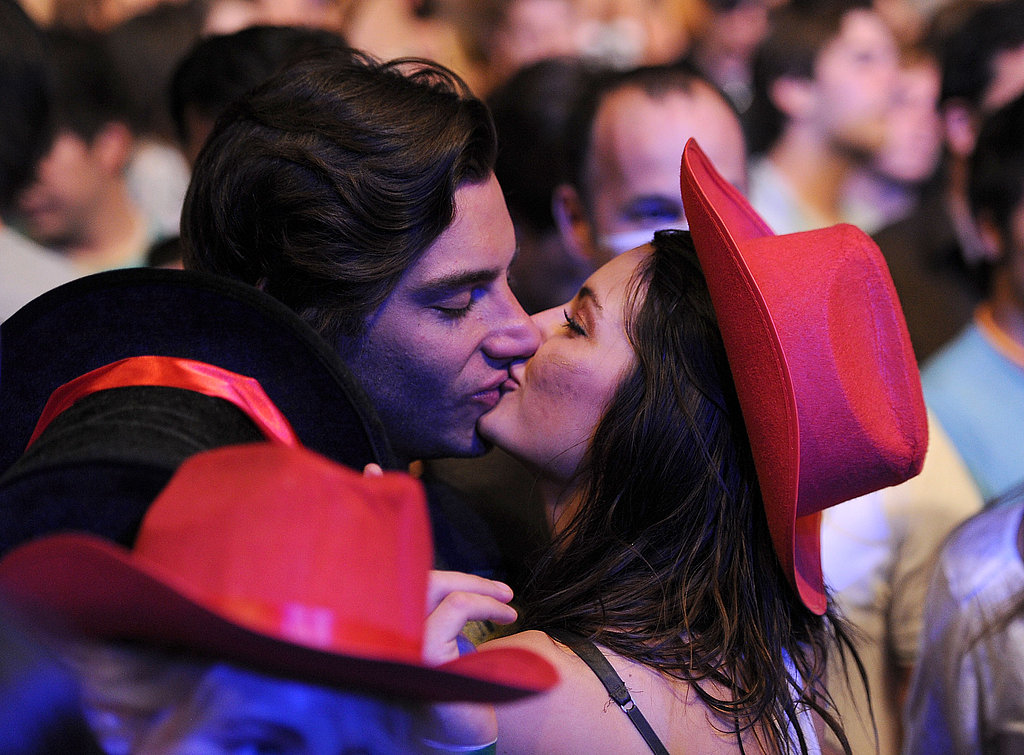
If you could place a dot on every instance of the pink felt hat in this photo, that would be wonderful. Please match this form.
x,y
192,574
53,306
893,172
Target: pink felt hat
x,y
820,355
275,558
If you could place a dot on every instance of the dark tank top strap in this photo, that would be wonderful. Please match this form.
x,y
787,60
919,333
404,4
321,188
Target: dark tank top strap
x,y
589,654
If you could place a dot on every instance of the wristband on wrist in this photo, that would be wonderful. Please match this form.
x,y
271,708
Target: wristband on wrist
x,y
439,748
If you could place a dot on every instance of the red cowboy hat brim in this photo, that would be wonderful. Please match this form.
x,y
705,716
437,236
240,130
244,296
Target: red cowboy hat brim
x,y
88,586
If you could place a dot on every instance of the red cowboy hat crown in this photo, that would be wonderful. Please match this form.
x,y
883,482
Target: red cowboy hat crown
x,y
820,355
278,559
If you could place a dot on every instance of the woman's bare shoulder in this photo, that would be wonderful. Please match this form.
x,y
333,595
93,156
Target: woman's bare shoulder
x,y
557,720
577,715
533,640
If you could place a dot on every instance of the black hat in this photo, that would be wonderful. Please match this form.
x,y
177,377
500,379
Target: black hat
x,y
97,465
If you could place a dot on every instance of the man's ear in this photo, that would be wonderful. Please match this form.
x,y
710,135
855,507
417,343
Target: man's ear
x,y
573,224
113,146
793,96
991,237
960,128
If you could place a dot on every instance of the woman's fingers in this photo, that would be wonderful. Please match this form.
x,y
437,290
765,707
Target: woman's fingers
x,y
443,583
373,470
454,600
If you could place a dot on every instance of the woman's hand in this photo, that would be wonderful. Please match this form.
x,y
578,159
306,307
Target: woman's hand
x,y
453,599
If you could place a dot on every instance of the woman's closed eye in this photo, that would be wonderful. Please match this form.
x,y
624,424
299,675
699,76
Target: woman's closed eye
x,y
573,325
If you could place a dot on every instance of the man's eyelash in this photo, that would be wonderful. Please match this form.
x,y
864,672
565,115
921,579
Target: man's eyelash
x,y
455,313
573,324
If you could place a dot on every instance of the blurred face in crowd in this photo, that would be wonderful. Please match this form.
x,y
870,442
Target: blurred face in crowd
x,y
530,31
633,172
147,703
238,711
227,16
913,141
961,120
855,76
1007,79
67,193
626,33
435,354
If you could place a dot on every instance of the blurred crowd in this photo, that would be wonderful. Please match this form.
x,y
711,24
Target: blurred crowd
x,y
904,118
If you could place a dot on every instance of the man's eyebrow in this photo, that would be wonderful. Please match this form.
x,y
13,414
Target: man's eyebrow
x,y
456,281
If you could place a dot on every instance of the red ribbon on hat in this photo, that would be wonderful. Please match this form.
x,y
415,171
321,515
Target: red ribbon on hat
x,y
171,372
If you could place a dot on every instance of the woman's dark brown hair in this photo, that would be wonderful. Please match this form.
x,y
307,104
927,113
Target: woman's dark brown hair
x,y
667,559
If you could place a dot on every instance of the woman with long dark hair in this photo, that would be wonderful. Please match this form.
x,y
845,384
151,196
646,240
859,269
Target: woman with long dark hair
x,y
696,406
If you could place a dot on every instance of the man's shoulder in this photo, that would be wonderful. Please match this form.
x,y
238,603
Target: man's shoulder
x,y
958,359
927,231
28,270
981,555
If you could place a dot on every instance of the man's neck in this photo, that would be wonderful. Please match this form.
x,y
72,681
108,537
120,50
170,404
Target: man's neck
x,y
1007,306
117,238
815,172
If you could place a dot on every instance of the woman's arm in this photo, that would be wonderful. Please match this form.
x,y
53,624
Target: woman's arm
x,y
453,600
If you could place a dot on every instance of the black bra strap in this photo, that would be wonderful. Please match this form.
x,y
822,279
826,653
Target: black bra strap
x,y
589,654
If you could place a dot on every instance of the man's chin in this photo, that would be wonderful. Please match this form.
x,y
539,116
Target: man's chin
x,y
471,448
477,446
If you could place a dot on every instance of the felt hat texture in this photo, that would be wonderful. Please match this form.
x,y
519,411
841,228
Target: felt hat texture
x,y
102,459
225,567
101,462
821,359
102,318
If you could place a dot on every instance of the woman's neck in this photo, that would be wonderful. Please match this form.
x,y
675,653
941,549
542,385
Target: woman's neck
x,y
560,501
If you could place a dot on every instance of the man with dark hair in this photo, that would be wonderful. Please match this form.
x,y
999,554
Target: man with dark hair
x,y
26,270
582,186
974,383
79,203
220,68
938,260
823,81
362,195
623,165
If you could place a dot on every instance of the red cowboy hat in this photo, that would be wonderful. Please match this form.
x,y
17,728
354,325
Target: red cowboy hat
x,y
820,355
275,558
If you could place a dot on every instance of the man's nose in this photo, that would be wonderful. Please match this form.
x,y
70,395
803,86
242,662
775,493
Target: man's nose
x,y
517,337
548,321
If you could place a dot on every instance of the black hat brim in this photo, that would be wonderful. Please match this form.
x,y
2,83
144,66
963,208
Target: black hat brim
x,y
102,318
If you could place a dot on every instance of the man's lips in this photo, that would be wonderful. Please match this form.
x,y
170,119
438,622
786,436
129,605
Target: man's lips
x,y
493,394
490,395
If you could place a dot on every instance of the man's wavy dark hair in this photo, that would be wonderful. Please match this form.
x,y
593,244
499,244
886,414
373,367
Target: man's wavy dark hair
x,y
324,184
